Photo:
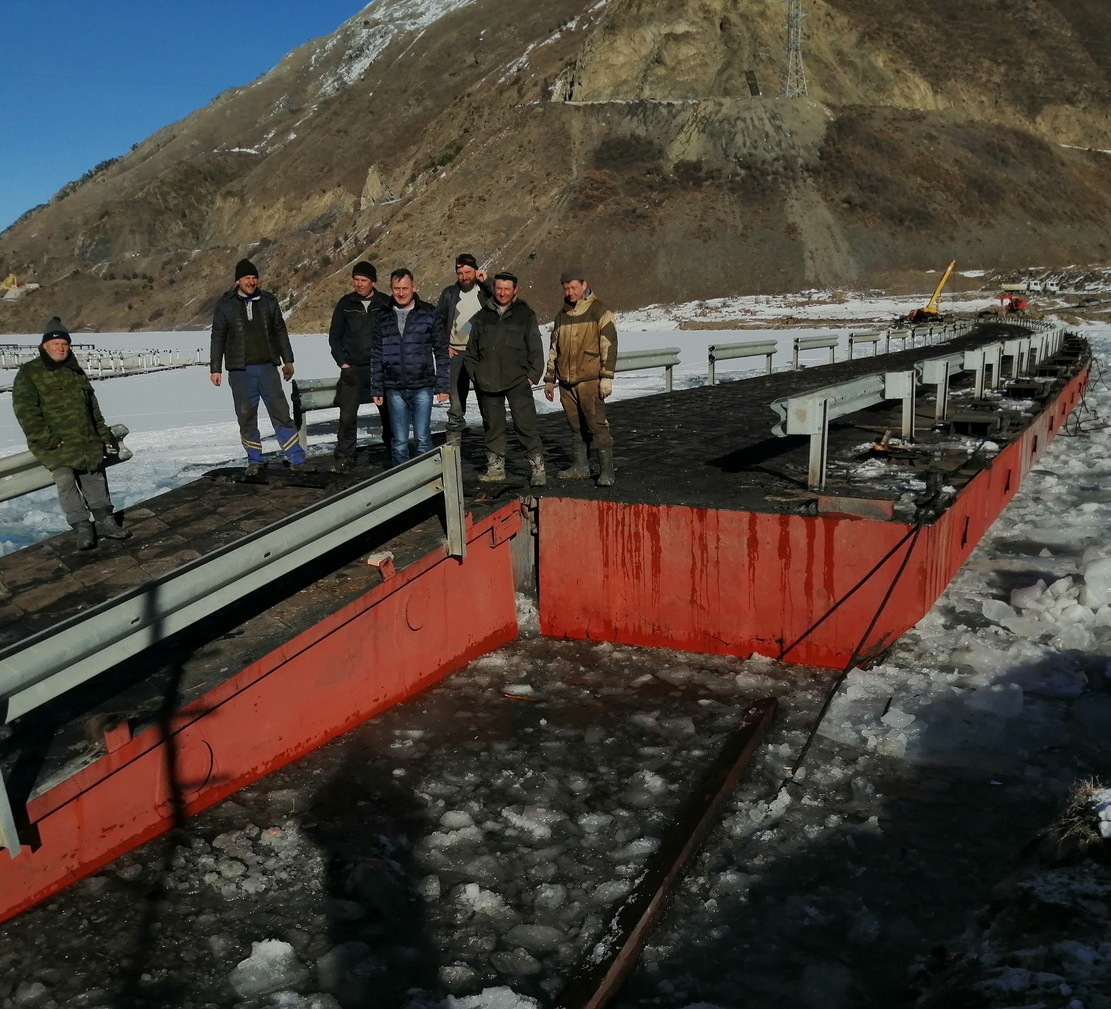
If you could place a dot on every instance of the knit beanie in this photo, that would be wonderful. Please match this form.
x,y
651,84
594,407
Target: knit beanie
x,y
365,269
466,259
572,273
55,331
245,268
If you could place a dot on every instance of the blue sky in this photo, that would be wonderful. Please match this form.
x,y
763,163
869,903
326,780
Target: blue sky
x,y
82,81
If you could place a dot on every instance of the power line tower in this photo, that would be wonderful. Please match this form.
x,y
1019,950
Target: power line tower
x,y
796,76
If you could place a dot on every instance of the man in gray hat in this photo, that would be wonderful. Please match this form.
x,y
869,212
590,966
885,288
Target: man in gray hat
x,y
581,360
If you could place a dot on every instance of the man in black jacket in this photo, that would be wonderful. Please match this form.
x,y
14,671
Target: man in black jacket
x,y
505,357
457,305
350,338
249,336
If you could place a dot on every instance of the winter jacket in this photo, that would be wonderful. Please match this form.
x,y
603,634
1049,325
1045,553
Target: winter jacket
x,y
417,359
584,343
349,335
449,299
505,349
55,406
229,337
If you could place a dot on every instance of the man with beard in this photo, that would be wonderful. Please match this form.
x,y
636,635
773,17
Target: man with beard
x,y
57,410
350,339
457,306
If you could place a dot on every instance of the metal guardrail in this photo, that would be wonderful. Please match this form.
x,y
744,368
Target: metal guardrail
x,y
310,394
815,343
872,337
641,360
40,668
23,474
734,351
810,413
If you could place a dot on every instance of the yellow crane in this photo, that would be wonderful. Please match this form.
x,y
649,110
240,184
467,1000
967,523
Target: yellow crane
x,y
932,311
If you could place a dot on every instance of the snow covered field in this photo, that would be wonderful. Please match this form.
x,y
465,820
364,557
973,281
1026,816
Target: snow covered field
x,y
471,842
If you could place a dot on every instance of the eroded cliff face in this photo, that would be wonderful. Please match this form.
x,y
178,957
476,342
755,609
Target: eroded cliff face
x,y
644,138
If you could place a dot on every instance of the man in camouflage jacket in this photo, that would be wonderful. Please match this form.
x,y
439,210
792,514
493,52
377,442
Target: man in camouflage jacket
x,y
581,361
55,406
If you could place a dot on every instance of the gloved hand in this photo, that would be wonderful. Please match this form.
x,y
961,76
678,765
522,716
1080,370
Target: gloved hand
x,y
111,446
605,387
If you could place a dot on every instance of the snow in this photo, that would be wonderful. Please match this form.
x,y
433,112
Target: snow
x,y
544,775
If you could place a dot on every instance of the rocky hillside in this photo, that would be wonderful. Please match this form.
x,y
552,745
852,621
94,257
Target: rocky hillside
x,y
646,139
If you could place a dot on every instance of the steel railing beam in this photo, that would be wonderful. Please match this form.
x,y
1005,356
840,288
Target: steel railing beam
x,y
23,474
46,665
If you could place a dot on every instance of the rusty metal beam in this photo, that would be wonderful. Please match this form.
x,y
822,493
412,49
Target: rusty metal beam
x,y
608,962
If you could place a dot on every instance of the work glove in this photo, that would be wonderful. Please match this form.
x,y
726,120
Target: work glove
x,y
111,446
605,387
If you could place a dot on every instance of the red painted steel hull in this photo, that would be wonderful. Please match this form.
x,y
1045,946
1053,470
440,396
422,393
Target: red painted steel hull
x,y
824,591
385,646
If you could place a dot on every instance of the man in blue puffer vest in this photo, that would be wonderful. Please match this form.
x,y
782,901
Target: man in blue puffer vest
x,y
409,365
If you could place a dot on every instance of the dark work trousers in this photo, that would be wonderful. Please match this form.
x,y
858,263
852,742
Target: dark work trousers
x,y
82,491
457,394
521,406
261,382
352,381
586,413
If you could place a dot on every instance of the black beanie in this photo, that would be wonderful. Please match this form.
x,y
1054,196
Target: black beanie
x,y
466,259
365,269
55,331
245,268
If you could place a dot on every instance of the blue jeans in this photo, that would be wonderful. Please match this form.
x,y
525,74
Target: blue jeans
x,y
409,407
261,382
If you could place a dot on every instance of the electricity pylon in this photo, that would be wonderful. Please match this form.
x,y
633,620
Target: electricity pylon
x,y
796,76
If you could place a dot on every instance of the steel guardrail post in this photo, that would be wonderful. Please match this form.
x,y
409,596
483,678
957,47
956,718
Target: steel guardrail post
x,y
9,835
455,518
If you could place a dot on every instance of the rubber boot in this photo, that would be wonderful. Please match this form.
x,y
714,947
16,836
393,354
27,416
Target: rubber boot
x,y
605,460
454,438
495,469
108,528
580,464
537,476
86,535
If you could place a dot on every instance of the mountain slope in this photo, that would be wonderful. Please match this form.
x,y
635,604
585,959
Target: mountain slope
x,y
624,135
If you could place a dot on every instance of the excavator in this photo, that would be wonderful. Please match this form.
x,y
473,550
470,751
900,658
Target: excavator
x,y
932,311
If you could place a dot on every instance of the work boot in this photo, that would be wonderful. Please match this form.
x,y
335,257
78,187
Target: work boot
x,y
537,476
605,461
580,464
107,528
342,464
252,471
495,469
454,438
86,535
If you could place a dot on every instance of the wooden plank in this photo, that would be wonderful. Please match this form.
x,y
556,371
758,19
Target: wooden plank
x,y
606,964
